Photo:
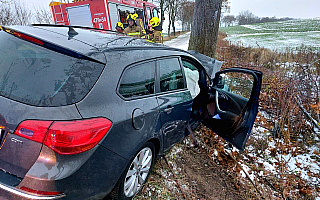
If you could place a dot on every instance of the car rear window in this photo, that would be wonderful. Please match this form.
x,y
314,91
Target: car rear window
x,y
37,76
138,80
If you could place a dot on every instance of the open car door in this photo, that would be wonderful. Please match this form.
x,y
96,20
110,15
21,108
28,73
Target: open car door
x,y
233,104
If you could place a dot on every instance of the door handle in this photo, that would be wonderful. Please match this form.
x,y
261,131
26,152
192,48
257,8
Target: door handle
x,y
168,110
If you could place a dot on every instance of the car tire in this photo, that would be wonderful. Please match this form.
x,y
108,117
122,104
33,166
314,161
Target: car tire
x,y
136,174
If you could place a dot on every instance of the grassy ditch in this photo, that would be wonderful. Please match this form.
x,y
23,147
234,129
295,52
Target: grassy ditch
x,y
282,156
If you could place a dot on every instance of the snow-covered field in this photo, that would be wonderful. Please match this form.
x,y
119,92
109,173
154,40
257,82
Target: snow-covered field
x,y
277,36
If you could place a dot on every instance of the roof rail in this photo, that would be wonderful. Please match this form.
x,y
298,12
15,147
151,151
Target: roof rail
x,y
83,27
48,45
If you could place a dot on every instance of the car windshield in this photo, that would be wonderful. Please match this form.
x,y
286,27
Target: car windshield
x,y
37,76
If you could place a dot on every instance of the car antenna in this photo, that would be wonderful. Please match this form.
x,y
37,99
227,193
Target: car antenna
x,y
71,33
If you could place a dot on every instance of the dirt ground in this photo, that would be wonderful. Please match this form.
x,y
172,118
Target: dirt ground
x,y
208,179
189,173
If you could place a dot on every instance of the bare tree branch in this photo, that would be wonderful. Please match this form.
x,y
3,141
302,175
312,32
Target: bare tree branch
x,y
14,12
42,15
315,123
22,14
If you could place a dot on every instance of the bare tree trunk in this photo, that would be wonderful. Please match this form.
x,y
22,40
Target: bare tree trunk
x,y
163,8
161,12
169,23
173,5
172,21
204,31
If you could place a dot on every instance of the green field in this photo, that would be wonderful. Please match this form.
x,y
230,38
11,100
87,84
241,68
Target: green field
x,y
278,36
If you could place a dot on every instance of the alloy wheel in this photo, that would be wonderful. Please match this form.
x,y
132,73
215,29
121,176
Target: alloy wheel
x,y
138,172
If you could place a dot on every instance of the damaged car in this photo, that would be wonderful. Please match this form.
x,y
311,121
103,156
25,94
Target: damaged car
x,y
84,113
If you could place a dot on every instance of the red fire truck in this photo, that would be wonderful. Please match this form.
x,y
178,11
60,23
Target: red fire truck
x,y
103,14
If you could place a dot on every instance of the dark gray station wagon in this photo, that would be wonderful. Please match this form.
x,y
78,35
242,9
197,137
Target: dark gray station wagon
x,y
84,113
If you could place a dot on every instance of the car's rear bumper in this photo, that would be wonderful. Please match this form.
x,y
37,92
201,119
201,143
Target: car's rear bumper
x,y
93,180
12,193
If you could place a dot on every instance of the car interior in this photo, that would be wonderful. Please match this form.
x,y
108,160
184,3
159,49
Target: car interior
x,y
220,103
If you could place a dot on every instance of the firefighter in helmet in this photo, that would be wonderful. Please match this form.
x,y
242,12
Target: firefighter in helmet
x,y
132,29
157,30
135,16
139,23
119,27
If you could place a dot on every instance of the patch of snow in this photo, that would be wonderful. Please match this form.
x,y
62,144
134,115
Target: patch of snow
x,y
181,42
252,27
247,170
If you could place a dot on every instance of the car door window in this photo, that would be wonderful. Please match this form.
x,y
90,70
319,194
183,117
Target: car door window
x,y
138,80
233,91
236,83
171,77
192,78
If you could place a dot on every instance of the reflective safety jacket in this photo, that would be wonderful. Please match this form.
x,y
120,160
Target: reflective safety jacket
x,y
157,36
134,31
140,23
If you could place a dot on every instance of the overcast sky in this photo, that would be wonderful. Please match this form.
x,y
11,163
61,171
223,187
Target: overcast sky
x,y
260,8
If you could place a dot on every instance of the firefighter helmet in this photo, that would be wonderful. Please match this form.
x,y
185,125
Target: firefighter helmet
x,y
155,21
135,16
130,17
119,24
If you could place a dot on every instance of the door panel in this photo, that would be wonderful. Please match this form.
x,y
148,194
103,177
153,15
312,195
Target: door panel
x,y
174,113
231,113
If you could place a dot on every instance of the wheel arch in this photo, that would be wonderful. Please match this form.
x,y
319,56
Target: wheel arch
x,y
157,145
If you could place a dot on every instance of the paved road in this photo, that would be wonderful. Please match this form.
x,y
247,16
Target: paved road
x,y
180,42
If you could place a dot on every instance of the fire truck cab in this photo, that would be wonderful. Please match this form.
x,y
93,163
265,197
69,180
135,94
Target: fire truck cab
x,y
103,14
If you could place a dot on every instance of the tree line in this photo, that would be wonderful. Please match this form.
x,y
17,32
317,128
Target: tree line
x,y
247,17
176,10
17,13
182,10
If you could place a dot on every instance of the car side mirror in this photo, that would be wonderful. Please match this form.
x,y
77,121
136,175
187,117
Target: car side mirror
x,y
220,83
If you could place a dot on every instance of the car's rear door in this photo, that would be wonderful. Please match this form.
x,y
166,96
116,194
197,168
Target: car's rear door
x,y
232,105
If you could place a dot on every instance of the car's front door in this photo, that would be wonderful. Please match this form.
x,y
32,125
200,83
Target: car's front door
x,y
232,105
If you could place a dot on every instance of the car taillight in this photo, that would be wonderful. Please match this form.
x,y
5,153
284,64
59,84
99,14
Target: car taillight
x,y
34,130
65,137
76,136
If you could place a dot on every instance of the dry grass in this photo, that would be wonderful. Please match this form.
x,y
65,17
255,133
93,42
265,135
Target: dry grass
x,y
287,77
